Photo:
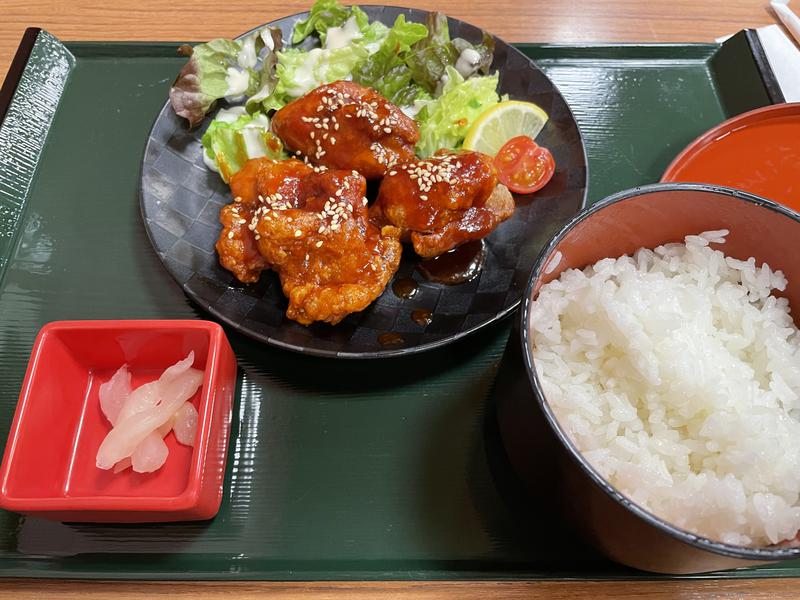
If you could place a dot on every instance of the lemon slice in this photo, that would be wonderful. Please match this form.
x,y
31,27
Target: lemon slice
x,y
501,123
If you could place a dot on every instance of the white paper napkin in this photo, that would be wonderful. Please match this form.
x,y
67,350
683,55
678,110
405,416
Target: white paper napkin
x,y
784,58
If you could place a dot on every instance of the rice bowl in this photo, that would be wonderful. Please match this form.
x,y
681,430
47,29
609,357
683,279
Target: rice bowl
x,y
542,452
674,371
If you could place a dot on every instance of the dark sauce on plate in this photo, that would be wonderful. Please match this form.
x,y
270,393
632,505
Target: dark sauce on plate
x,y
390,338
405,288
460,265
422,316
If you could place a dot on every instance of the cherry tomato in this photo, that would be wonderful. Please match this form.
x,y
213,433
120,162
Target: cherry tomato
x,y
523,166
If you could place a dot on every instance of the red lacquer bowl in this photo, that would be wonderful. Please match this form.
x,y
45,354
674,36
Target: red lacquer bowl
x,y
757,151
49,470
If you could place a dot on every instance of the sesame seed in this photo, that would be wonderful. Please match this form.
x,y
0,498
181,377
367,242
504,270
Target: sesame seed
x,y
321,229
387,130
312,135
392,172
258,237
306,257
339,192
423,197
230,235
318,244
298,233
237,199
336,127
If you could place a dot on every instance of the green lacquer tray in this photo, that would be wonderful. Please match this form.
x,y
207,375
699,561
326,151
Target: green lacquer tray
x,y
338,470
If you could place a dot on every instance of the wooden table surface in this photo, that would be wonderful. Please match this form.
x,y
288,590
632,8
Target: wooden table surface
x,y
515,20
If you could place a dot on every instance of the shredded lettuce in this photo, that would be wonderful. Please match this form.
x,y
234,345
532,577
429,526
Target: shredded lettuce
x,y
372,34
386,70
220,69
299,71
444,122
323,15
268,78
474,59
430,57
234,137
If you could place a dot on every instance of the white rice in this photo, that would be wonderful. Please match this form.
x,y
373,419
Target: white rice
x,y
676,373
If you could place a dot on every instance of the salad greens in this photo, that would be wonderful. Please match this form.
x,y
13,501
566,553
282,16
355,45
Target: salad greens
x,y
235,137
444,122
324,14
444,83
386,70
221,69
432,55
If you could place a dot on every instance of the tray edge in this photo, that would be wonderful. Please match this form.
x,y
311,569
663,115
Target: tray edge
x,y
29,101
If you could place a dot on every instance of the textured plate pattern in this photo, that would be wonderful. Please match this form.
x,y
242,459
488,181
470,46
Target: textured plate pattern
x,y
181,199
25,128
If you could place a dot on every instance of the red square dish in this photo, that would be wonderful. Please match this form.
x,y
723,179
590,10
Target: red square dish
x,y
49,470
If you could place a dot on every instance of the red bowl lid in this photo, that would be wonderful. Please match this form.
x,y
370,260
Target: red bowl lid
x,y
758,151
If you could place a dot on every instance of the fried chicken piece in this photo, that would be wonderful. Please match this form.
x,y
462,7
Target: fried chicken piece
x,y
331,260
443,201
236,246
343,125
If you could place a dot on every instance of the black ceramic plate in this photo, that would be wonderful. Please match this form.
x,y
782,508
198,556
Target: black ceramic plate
x,y
183,228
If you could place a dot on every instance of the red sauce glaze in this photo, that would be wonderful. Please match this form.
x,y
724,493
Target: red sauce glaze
x,y
343,125
443,201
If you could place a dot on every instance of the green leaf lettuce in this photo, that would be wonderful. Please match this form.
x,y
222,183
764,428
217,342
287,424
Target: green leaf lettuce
x,y
220,69
386,70
235,137
444,122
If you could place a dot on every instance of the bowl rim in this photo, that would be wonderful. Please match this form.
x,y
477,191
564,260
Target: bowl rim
x,y
751,117
697,541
